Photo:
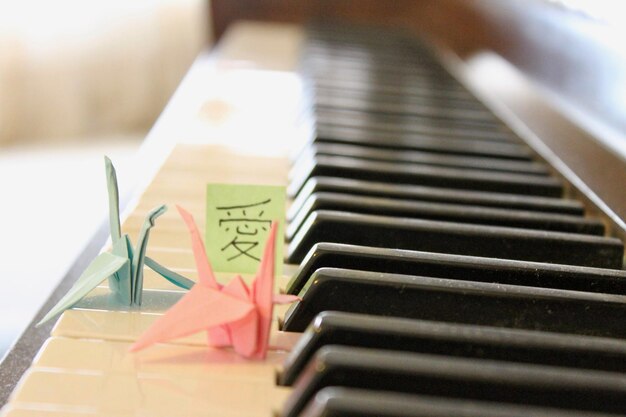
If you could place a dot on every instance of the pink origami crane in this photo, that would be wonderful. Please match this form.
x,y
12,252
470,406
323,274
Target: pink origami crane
x,y
233,315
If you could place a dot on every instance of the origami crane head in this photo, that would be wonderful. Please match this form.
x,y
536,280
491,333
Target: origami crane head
x,y
233,315
124,265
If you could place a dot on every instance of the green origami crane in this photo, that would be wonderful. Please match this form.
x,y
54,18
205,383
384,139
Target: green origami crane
x,y
124,265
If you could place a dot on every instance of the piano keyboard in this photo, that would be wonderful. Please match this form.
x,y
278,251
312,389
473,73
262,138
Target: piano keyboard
x,y
442,268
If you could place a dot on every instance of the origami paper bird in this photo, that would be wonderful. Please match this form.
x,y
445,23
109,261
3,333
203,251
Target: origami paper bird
x,y
124,265
233,315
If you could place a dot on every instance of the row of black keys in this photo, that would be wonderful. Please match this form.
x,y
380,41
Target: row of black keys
x,y
399,363
452,209
484,309
455,209
414,162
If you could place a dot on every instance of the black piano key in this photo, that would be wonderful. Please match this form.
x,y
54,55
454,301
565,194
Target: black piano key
x,y
386,123
444,212
424,142
326,67
401,75
418,91
426,117
435,107
319,66
473,117
326,120
455,238
405,56
351,402
387,87
435,194
317,61
472,379
461,340
470,268
465,103
468,179
393,71
401,59
455,301
364,45
384,86
361,79
422,158
392,53
421,142
404,51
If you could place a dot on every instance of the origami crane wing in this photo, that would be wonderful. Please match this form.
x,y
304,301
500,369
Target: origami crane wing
x,y
140,252
201,308
121,283
262,293
241,334
103,266
169,275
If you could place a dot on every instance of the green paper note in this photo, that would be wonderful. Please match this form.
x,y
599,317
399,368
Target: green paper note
x,y
238,219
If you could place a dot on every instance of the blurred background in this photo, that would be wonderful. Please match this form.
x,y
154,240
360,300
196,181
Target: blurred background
x,y
78,80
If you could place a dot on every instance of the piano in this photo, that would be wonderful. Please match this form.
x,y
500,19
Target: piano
x,y
456,239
